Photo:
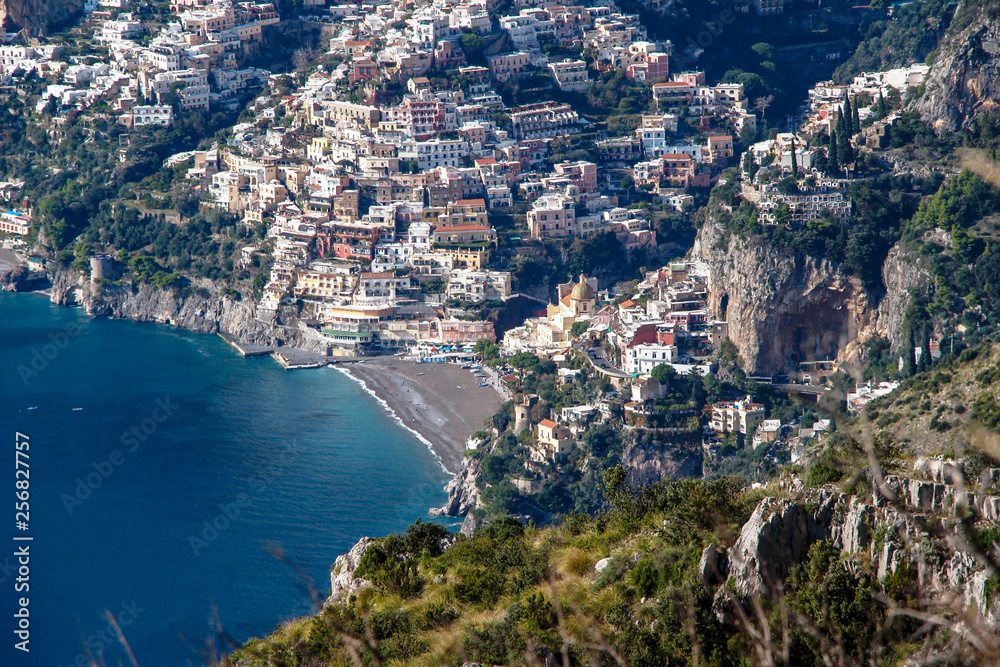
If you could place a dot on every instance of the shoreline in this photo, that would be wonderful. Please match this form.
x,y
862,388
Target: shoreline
x,y
395,417
440,403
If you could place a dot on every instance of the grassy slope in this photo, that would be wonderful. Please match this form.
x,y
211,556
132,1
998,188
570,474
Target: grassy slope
x,y
945,410
509,594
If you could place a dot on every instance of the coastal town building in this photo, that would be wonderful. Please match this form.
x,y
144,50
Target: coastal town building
x,y
736,417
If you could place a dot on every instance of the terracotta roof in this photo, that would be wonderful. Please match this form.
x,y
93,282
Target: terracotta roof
x,y
547,423
379,275
672,84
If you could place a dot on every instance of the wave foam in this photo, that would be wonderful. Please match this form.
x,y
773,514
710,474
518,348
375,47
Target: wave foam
x,y
395,416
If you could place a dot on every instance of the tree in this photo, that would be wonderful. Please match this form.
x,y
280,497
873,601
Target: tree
x,y
882,109
762,103
845,152
833,165
856,120
521,362
911,353
663,373
713,387
486,349
925,350
764,50
472,45
578,328
847,116
795,164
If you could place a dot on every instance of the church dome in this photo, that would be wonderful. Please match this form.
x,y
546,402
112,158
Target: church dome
x,y
582,291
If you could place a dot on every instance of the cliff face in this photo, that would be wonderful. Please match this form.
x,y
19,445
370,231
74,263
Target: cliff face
x,y
36,17
780,532
965,78
147,303
783,308
649,463
463,493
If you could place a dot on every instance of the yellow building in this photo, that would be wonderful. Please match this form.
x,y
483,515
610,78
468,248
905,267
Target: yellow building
x,y
554,441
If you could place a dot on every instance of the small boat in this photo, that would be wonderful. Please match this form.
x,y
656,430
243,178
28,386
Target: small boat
x,y
77,409
34,407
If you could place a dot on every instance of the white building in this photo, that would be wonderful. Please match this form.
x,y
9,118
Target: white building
x,y
571,75
643,358
478,286
156,115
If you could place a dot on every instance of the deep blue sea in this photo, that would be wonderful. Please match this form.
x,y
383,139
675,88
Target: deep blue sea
x,y
180,486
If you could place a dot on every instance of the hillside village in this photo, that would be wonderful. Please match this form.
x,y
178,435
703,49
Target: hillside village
x,y
385,184
750,346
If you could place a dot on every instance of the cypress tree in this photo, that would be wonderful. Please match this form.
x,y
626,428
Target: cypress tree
x,y
845,154
911,355
856,122
833,166
795,164
882,108
847,116
925,350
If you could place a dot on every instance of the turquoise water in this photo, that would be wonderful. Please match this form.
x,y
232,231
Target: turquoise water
x,y
191,484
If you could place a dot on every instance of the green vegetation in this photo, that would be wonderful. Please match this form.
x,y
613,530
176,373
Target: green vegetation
x,y
512,594
911,35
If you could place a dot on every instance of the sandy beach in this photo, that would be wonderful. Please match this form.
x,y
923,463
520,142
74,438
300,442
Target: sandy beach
x,y
8,261
441,402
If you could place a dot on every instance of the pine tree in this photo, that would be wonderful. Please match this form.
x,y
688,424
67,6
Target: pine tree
x,y
795,164
833,166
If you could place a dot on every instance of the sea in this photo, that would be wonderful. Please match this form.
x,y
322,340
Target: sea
x,y
181,498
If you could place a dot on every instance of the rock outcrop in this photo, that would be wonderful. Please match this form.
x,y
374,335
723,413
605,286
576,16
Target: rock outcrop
x,y
15,280
197,312
343,582
463,493
779,533
964,80
650,462
37,17
783,307
776,538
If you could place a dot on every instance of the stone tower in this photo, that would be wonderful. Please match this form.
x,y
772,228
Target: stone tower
x,y
522,413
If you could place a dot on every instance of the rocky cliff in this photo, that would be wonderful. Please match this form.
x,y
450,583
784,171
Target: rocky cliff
x,y
205,314
783,307
780,531
37,17
343,580
463,493
650,462
964,79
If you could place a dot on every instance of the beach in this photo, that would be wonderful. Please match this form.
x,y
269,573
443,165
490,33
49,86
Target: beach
x,y
8,261
440,402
